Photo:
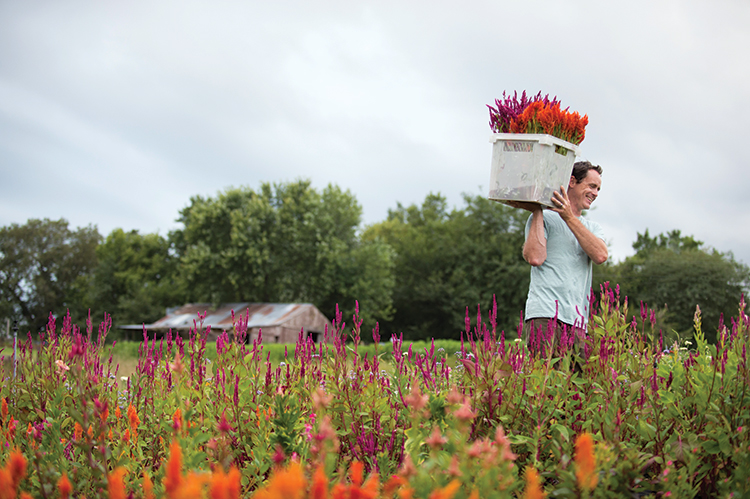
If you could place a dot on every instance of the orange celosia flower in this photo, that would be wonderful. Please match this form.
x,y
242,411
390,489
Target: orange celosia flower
x,y
16,468
6,484
133,417
319,489
109,435
104,415
585,462
90,432
116,484
287,483
4,409
25,495
533,488
77,431
177,421
64,486
446,492
148,487
225,485
474,494
173,476
117,413
192,486
126,435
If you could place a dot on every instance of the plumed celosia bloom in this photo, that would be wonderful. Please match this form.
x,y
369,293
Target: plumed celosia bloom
x,y
319,489
585,462
284,484
446,492
148,487
133,417
4,409
16,468
116,483
225,485
173,476
64,486
533,488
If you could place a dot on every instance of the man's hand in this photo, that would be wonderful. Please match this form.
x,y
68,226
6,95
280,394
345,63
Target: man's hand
x,y
524,205
562,205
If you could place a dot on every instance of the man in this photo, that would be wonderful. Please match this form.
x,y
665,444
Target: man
x,y
561,246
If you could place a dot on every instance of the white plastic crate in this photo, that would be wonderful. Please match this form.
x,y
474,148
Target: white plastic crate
x,y
529,167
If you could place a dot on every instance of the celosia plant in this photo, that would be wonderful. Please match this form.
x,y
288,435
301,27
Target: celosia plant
x,y
537,115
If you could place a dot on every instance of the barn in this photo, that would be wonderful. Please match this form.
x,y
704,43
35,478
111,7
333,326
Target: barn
x,y
279,322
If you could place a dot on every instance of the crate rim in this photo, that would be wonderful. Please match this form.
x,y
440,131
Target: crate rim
x,y
542,138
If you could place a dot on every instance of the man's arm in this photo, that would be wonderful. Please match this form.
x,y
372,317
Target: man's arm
x,y
535,246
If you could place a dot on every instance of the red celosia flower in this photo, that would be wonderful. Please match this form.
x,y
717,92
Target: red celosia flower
x,y
116,484
224,426
126,435
585,462
533,489
64,486
173,476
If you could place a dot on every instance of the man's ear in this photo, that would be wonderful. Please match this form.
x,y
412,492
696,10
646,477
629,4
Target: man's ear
x,y
572,182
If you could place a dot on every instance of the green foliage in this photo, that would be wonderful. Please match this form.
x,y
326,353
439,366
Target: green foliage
x,y
44,268
676,274
665,418
135,279
285,243
447,261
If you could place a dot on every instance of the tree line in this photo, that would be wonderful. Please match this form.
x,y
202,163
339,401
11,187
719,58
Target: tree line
x,y
415,272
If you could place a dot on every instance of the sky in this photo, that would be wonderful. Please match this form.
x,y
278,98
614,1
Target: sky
x,y
116,113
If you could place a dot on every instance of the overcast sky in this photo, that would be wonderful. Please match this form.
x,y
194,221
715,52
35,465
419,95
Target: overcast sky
x,y
116,113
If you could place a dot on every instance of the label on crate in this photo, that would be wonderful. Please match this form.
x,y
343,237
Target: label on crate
x,y
518,146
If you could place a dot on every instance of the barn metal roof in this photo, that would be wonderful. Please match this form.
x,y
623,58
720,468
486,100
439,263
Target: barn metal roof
x,y
220,318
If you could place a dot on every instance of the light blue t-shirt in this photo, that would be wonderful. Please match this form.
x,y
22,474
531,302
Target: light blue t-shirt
x,y
563,281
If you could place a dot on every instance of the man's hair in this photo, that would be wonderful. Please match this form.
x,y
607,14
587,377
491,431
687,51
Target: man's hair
x,y
581,169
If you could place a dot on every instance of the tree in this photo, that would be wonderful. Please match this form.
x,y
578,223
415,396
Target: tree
x,y
44,267
447,261
285,243
675,273
136,278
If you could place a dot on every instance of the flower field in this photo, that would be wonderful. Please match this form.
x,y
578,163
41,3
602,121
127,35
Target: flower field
x,y
635,416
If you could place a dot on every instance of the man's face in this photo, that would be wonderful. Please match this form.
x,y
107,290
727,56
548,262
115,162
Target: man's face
x,y
584,193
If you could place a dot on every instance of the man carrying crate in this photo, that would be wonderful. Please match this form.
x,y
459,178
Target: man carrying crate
x,y
561,246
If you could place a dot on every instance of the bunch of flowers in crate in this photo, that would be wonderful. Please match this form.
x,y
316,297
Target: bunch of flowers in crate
x,y
537,114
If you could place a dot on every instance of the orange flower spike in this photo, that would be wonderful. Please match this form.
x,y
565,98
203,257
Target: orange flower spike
x,y
370,488
4,409
393,483
356,472
77,431
90,432
116,483
117,413
126,435
192,486
319,488
16,468
533,488
585,462
474,494
173,476
148,487
64,486
6,483
104,415
446,492
25,495
133,417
